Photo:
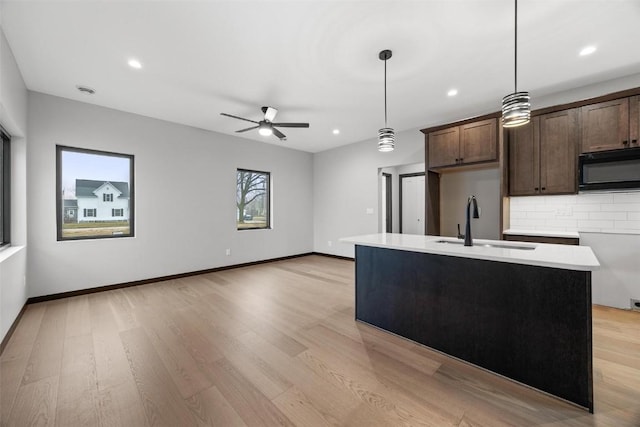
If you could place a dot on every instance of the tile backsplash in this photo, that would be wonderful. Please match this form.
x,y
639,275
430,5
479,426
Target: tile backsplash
x,y
592,212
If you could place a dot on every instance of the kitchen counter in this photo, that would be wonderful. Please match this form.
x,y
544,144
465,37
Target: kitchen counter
x,y
543,254
522,313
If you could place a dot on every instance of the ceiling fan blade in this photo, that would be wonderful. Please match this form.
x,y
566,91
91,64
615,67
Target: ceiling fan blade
x,y
279,134
292,125
244,130
239,118
269,113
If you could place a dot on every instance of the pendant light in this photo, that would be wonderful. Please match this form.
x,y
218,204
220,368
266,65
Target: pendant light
x,y
386,135
516,107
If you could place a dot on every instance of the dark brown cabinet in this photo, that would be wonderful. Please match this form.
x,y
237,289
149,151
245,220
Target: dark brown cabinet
x,y
611,125
469,143
542,239
542,155
444,147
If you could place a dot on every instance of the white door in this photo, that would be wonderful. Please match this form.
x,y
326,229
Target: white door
x,y
413,205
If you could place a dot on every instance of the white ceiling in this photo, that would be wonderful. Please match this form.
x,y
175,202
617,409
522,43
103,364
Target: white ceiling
x,y
316,61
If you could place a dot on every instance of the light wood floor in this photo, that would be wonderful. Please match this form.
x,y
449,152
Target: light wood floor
x,y
274,344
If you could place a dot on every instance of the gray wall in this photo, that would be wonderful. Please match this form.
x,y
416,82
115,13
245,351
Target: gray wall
x,y
346,183
13,117
185,198
456,187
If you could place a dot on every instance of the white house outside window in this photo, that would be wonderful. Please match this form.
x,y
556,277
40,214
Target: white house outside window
x,y
94,194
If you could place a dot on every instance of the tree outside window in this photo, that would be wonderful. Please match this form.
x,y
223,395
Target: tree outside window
x,y
252,199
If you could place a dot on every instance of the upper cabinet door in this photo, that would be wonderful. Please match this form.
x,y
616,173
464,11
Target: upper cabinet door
x,y
559,134
478,142
605,126
524,165
444,147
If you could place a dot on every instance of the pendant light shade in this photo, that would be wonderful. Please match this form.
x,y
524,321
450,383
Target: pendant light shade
x,y
386,139
386,135
516,107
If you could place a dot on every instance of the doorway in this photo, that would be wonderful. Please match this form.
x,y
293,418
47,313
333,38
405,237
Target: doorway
x,y
412,203
387,202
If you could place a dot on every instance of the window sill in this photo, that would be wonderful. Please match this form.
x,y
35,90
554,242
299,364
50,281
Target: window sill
x,y
8,251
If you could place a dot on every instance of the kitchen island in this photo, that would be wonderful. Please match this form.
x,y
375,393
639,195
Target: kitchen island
x,y
522,310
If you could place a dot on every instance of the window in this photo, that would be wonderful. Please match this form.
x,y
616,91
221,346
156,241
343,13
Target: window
x,y
5,189
252,200
86,179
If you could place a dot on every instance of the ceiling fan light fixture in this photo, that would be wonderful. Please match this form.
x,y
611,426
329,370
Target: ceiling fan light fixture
x,y
386,135
265,129
516,107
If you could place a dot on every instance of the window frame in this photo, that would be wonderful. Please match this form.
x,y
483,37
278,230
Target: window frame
x,y
5,188
60,149
267,201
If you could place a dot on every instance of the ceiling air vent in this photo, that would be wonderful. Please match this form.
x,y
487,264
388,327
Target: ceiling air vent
x,y
86,89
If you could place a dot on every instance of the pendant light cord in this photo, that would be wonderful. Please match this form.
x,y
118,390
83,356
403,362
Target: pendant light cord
x,y
515,69
385,93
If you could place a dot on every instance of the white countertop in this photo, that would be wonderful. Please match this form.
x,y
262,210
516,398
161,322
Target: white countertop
x,y
543,233
569,257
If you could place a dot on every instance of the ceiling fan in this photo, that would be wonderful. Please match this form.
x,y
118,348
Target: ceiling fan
x,y
267,127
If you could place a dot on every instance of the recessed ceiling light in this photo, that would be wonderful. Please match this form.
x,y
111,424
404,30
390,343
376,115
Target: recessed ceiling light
x,y
588,50
134,63
86,89
452,92
336,131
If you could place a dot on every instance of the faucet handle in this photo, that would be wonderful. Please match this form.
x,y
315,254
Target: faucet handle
x,y
460,235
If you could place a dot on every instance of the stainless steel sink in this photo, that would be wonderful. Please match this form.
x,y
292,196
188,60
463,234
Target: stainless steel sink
x,y
489,245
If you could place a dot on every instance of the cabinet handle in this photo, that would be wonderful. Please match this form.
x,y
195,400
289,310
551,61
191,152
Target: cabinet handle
x,y
536,188
634,141
544,188
625,142
461,159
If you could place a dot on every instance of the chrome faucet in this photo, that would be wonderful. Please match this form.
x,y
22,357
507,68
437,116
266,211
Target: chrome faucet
x,y
467,231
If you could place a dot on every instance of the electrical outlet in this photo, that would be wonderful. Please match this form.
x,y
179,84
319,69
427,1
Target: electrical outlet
x,y
635,304
228,252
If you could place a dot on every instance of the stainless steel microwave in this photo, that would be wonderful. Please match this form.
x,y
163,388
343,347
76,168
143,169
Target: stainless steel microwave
x,y
609,170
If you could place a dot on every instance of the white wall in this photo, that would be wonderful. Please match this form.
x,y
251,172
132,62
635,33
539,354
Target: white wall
x,y
185,209
346,183
593,212
618,278
13,117
455,189
551,97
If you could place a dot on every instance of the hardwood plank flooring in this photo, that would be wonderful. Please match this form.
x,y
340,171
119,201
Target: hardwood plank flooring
x,y
274,344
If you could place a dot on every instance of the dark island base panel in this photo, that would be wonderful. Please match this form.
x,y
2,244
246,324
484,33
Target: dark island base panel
x,y
528,323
